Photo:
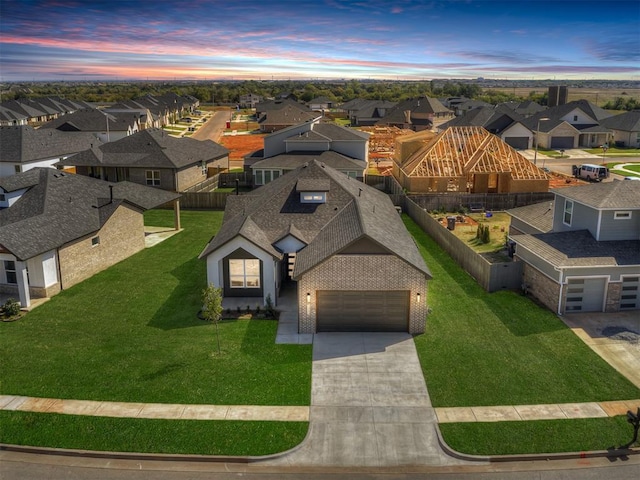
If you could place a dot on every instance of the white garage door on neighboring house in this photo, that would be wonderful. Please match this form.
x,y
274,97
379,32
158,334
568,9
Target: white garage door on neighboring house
x,y
562,142
519,143
585,294
362,311
630,293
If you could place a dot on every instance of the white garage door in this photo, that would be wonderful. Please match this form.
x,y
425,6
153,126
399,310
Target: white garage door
x,y
362,311
585,294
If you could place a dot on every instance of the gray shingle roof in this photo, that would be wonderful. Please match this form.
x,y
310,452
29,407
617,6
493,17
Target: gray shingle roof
x,y
422,105
150,148
538,215
287,115
23,144
556,113
59,207
627,122
289,161
605,195
580,249
93,120
352,210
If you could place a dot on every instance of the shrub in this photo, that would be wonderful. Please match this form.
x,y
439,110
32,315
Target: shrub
x,y
11,307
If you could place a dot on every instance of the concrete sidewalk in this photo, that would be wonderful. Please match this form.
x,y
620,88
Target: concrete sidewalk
x,y
155,410
557,411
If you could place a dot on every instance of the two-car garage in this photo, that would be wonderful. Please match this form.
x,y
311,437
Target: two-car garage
x,y
362,311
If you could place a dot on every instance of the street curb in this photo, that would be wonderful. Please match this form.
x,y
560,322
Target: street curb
x,y
169,457
529,457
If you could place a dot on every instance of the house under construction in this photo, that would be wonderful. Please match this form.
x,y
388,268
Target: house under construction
x,y
467,159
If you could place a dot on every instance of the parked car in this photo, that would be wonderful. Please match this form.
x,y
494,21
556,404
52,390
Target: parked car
x,y
590,172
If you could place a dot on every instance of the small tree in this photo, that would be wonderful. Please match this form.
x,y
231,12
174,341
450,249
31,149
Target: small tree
x,y
212,307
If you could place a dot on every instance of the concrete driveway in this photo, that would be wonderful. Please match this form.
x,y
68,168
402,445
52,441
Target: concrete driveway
x,y
613,336
369,405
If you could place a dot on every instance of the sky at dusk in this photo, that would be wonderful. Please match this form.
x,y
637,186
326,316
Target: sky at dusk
x,y
303,39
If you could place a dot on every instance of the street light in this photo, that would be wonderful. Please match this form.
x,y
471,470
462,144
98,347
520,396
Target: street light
x,y
535,140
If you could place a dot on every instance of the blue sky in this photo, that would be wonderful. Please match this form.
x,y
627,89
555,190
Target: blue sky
x,y
305,39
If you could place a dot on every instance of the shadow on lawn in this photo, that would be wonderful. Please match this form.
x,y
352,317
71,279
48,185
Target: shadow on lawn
x,y
180,308
521,315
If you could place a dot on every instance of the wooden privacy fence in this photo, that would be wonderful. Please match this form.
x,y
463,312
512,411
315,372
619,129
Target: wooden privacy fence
x,y
490,276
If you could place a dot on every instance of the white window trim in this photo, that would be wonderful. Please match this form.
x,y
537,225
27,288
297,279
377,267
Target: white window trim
x,y
244,274
95,241
313,197
622,215
567,203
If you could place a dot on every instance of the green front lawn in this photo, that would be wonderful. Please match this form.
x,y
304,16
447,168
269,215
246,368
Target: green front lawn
x,y
616,151
195,437
544,436
501,348
131,333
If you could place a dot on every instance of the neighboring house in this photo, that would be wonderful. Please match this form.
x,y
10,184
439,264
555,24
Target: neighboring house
x,y
268,105
34,111
285,116
344,149
320,104
108,127
154,158
249,100
581,252
366,113
355,266
501,121
57,229
417,114
572,125
24,147
467,105
524,109
468,159
625,128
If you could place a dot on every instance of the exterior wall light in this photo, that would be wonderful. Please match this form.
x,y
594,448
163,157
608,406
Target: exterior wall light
x,y
308,298
418,297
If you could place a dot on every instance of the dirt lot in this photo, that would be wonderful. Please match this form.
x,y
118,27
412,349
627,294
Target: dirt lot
x,y
241,145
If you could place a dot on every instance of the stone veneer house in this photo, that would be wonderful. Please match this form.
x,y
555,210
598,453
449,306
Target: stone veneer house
x,y
57,229
154,158
581,252
341,243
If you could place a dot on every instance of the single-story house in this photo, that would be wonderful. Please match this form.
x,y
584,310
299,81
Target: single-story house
x,y
57,229
625,128
108,127
154,158
340,243
581,252
423,113
468,159
24,147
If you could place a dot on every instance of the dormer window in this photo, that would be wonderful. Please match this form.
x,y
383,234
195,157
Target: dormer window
x,y
313,190
313,197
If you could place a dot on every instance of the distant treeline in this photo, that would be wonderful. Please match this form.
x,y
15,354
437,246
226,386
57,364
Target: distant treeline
x,y
228,93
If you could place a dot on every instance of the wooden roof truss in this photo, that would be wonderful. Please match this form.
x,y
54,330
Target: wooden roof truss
x,y
464,151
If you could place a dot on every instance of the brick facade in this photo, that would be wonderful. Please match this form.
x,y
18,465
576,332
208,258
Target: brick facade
x,y
363,272
541,287
121,236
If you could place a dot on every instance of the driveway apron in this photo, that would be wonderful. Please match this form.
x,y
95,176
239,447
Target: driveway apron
x,y
369,405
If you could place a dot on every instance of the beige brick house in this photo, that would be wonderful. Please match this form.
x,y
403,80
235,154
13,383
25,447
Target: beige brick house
x,y
338,242
57,229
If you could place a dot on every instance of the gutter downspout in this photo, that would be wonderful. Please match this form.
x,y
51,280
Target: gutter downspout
x,y
560,296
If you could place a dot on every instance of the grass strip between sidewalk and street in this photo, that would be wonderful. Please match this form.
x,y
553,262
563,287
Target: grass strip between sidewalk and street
x,y
543,436
196,437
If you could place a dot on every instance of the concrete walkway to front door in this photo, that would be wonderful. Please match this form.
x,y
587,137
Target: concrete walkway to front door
x,y
369,405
